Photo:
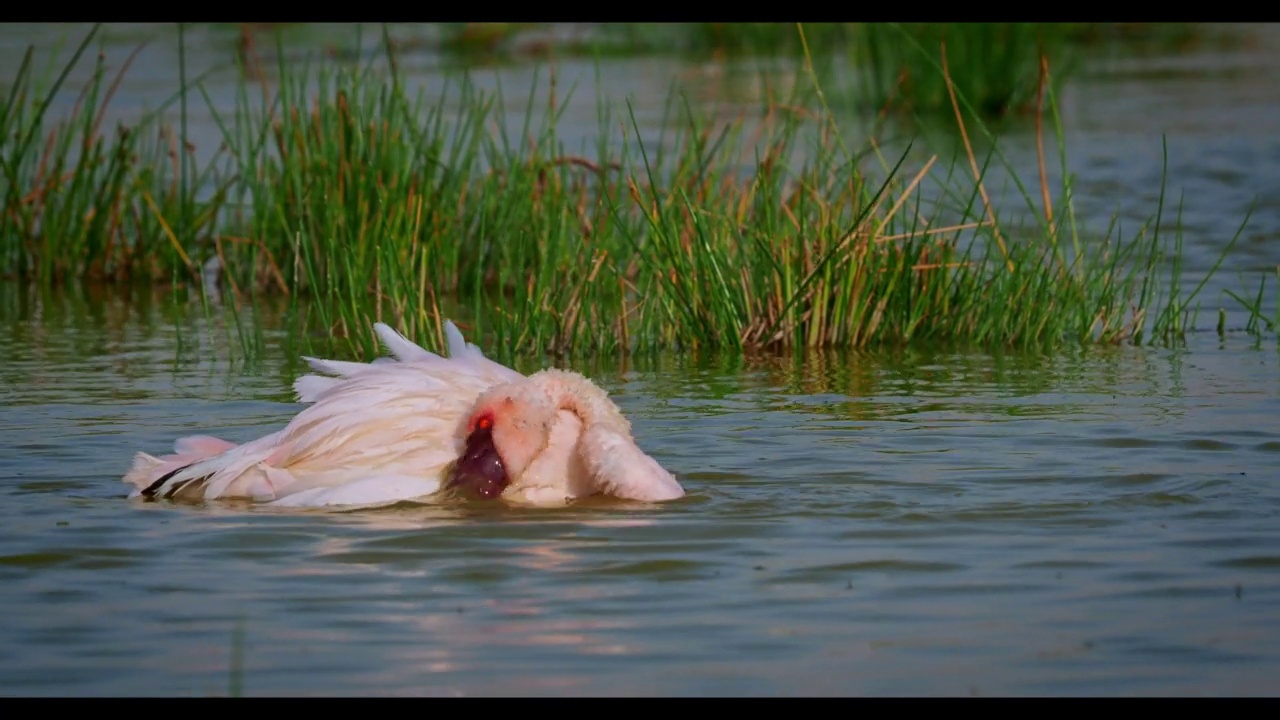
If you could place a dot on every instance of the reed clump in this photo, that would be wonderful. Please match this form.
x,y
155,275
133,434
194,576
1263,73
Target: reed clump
x,y
85,202
341,186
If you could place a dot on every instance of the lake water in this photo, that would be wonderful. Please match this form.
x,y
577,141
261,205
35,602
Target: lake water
x,y
1082,522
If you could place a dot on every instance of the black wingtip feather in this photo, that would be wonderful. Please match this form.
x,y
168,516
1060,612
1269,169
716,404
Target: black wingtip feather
x,y
151,490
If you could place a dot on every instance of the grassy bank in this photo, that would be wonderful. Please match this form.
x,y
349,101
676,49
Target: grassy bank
x,y
376,202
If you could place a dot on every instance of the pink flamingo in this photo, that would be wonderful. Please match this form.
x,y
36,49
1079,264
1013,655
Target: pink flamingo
x,y
417,426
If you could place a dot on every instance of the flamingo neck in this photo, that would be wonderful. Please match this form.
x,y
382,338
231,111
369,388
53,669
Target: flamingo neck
x,y
573,392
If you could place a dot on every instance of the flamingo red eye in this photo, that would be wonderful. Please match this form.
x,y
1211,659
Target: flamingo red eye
x,y
485,423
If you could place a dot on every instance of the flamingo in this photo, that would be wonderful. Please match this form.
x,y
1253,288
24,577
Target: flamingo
x,y
416,426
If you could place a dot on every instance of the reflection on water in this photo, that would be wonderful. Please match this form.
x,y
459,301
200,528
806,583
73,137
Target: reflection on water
x,y
898,522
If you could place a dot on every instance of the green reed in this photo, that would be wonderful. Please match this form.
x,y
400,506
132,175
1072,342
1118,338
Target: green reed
x,y
337,184
995,65
84,202
1258,322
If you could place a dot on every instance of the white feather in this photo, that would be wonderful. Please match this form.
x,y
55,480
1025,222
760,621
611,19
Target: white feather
x,y
366,492
386,431
395,417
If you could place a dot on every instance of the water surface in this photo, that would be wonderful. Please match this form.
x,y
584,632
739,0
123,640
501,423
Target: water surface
x,y
1088,522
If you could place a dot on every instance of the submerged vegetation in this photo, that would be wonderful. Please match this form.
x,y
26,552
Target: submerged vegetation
x,y
342,185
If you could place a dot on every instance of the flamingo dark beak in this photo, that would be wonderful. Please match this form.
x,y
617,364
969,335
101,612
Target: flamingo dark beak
x,y
479,472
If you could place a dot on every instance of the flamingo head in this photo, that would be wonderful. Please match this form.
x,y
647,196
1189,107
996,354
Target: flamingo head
x,y
507,428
